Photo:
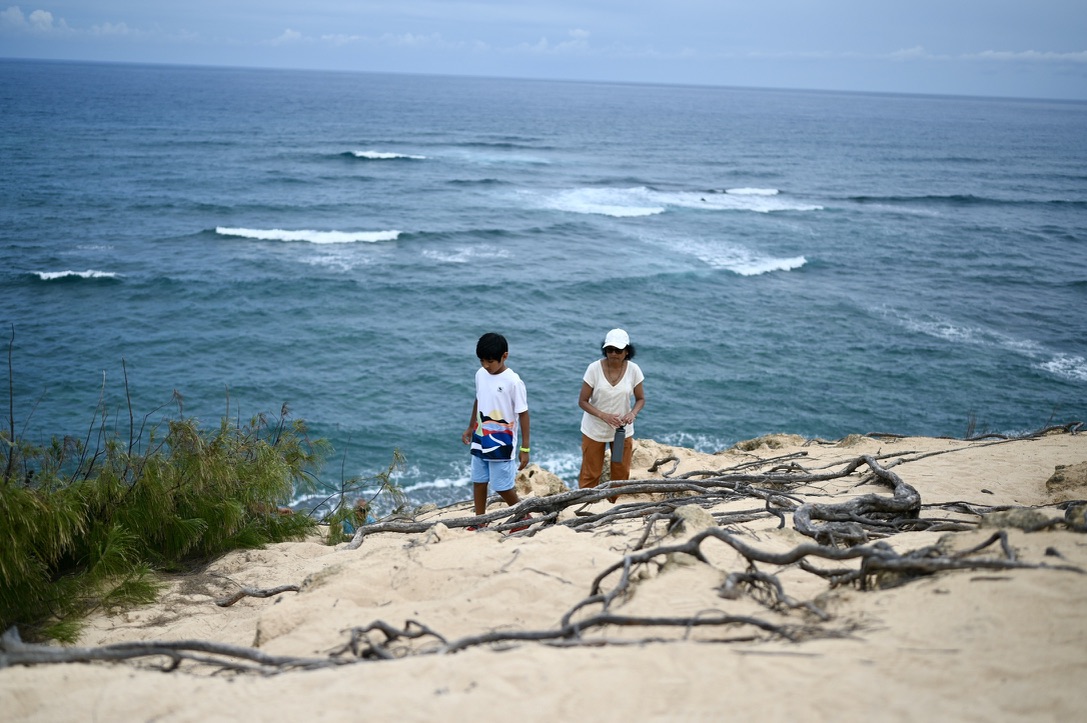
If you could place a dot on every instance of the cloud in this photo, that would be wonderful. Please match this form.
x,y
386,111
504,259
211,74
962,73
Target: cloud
x,y
1030,56
288,36
1000,56
39,22
578,43
915,53
12,17
413,40
338,39
416,41
113,29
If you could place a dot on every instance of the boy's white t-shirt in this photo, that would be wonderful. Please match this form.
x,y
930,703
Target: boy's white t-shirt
x,y
499,399
610,399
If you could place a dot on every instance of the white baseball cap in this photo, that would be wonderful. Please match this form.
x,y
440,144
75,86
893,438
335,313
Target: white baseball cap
x,y
616,338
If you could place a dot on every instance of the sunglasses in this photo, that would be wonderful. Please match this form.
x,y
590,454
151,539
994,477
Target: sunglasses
x,y
613,350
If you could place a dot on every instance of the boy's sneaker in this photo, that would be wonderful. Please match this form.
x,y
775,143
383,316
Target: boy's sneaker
x,y
476,528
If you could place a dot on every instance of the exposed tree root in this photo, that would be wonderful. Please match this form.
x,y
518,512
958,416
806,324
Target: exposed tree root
x,y
13,651
225,602
842,552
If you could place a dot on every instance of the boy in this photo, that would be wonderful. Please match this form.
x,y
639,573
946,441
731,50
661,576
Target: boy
x,y
499,409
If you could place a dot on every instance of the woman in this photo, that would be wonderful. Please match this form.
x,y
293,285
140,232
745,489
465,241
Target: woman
x,y
607,388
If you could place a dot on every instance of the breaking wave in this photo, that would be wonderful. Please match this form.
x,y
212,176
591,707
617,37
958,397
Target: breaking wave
x,y
75,275
308,236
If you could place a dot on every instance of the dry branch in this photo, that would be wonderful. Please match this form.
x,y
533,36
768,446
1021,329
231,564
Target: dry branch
x,y
13,651
225,602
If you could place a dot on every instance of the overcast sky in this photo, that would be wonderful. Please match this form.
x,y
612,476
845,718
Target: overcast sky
x,y
1021,48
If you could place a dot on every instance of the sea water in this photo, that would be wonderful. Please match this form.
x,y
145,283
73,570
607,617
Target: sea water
x,y
813,263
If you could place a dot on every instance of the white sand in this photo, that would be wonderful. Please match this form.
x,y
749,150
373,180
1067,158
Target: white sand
x,y
971,645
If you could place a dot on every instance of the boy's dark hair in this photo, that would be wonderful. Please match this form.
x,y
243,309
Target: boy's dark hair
x,y
629,349
491,346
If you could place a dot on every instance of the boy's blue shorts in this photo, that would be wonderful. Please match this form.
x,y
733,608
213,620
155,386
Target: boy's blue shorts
x,y
500,473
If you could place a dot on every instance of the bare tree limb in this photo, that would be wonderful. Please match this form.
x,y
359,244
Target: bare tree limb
x,y
225,602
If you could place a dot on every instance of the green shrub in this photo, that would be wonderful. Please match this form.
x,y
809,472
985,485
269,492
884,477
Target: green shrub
x,y
82,530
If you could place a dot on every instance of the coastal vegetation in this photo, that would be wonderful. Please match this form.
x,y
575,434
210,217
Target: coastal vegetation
x,y
87,522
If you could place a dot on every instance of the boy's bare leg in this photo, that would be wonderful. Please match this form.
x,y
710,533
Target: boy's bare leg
x,y
479,497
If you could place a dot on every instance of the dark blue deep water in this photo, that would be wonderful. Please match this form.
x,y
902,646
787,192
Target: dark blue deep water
x,y
812,263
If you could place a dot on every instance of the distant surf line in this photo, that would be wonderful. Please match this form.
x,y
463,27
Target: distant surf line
x,y
644,201
71,275
386,156
309,236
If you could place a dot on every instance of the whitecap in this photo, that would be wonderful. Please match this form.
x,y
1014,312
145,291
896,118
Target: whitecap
x,y
642,201
384,156
88,274
752,191
759,200
313,237
464,254
439,483
949,330
615,202
756,267
740,260
699,442
1067,366
944,329
343,263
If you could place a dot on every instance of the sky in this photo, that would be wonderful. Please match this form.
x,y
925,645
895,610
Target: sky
x,y
1003,48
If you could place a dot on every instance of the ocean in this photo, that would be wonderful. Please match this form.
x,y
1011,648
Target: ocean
x,y
813,263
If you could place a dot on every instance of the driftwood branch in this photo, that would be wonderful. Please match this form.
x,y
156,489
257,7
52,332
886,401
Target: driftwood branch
x,y
225,602
13,651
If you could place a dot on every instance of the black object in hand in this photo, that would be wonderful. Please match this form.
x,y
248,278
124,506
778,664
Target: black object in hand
x,y
617,445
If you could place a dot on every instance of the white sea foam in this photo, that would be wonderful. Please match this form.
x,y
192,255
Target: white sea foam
x,y
758,200
738,259
337,261
753,191
1067,366
88,274
313,237
642,201
699,442
384,156
616,202
564,465
496,158
949,330
465,254
438,483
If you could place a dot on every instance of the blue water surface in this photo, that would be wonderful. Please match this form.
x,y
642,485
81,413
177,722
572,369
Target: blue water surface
x,y
785,261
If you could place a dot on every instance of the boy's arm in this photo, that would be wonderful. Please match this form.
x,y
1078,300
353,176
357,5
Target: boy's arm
x,y
522,420
467,436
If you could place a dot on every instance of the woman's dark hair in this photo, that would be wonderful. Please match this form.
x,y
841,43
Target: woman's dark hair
x,y
630,350
491,346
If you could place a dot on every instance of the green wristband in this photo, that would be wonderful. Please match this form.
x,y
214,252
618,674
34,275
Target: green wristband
x,y
525,449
